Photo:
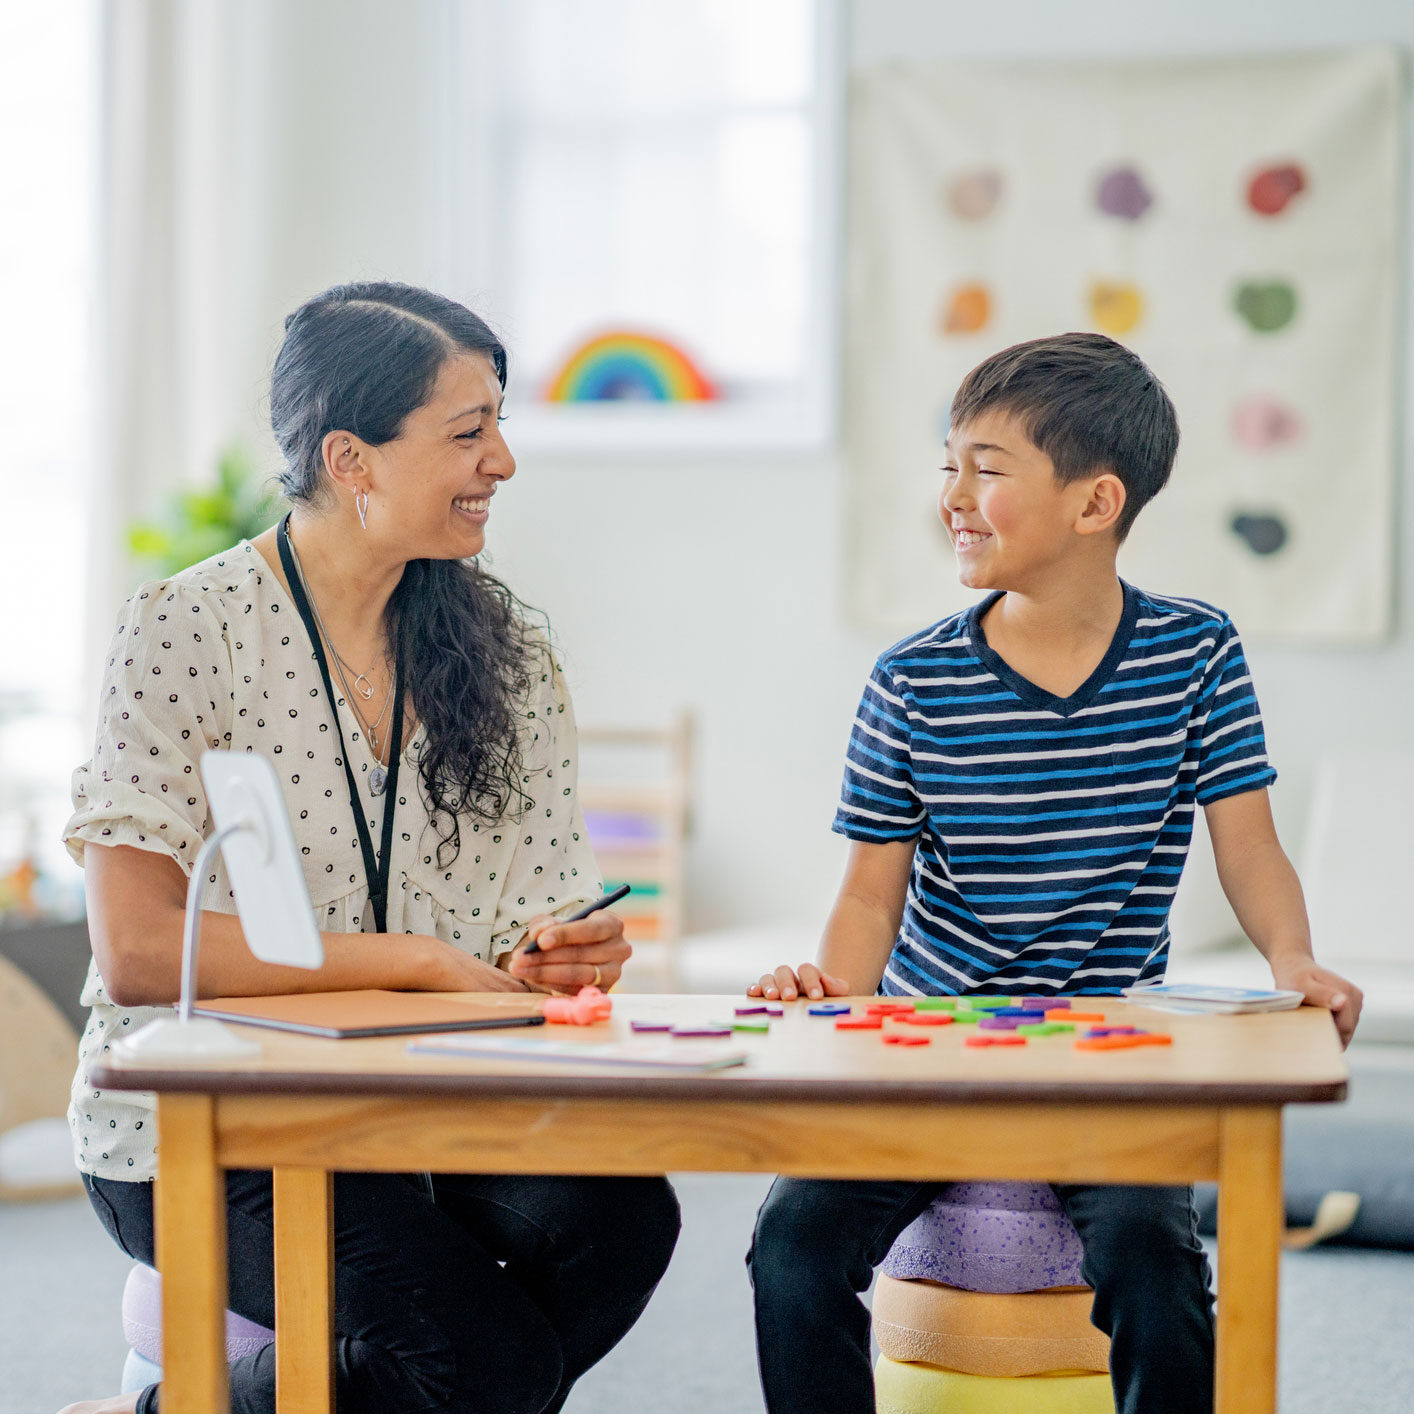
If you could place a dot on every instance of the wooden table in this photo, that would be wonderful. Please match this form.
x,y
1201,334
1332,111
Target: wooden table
x,y
811,1101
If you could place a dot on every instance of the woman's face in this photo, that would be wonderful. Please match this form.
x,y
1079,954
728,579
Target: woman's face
x,y
430,488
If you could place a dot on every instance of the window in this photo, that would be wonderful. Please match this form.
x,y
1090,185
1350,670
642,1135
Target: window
x,y
47,166
660,172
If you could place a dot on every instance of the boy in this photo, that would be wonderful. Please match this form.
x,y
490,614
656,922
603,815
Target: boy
x,y
1019,793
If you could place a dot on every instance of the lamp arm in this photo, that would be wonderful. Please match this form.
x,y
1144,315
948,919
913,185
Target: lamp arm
x,y
191,929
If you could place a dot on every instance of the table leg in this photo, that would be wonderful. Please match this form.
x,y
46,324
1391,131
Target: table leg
x,y
191,1255
304,1290
1250,1217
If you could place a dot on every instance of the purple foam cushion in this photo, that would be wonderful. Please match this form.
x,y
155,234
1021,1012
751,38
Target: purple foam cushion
x,y
997,1237
142,1320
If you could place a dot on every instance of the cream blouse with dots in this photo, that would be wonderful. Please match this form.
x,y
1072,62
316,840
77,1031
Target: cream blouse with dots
x,y
217,656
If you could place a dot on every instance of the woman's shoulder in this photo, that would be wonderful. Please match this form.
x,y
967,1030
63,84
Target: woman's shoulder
x,y
233,581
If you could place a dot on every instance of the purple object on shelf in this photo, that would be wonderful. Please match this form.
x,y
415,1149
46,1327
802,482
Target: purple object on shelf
x,y
702,1030
993,1022
1002,1238
650,1025
753,1011
609,827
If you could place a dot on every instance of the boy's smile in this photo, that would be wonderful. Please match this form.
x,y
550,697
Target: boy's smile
x,y
1007,514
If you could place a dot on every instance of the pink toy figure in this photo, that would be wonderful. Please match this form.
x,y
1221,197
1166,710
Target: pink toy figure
x,y
589,1006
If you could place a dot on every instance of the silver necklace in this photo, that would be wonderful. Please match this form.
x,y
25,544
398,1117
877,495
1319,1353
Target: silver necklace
x,y
378,777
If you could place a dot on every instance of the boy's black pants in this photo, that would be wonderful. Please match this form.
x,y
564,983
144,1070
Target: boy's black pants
x,y
818,1241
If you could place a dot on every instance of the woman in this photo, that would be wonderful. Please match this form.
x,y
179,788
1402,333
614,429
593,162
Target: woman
x,y
359,648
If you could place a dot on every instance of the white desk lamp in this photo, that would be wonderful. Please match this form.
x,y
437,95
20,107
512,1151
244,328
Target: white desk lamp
x,y
253,833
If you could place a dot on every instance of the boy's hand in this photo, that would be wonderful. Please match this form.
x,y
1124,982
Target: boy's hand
x,y
1321,987
785,985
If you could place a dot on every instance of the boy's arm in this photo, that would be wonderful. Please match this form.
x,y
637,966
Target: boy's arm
x,y
860,932
1265,893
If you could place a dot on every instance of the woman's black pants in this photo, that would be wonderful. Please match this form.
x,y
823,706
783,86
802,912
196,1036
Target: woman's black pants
x,y
462,1293
817,1243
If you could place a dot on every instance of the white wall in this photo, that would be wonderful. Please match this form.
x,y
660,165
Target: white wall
x,y
717,584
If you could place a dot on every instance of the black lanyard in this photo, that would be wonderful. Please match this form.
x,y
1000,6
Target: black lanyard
x,y
376,869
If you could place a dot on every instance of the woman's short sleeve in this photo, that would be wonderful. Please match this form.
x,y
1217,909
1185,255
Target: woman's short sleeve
x,y
166,698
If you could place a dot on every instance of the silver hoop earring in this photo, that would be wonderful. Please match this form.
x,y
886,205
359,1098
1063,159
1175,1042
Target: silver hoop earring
x,y
361,506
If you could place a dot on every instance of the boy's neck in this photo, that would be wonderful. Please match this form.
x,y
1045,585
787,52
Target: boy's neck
x,y
1067,615
1056,637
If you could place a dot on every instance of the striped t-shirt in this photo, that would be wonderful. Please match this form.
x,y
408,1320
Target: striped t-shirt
x,y
1050,831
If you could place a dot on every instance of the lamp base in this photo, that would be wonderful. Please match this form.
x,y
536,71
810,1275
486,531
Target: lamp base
x,y
201,1038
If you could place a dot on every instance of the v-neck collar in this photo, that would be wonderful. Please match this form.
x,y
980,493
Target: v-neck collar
x,y
1027,690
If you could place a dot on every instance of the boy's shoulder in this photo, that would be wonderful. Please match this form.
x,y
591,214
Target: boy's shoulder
x,y
949,637
1156,609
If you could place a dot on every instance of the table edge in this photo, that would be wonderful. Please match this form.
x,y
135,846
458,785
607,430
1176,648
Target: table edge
x,y
709,1087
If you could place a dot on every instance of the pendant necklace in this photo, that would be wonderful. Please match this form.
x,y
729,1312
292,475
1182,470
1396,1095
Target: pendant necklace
x,y
378,776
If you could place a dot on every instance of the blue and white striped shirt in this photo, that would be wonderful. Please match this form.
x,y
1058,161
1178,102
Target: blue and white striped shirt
x,y
1050,831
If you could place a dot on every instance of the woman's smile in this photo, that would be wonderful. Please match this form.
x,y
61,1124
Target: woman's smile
x,y
476,509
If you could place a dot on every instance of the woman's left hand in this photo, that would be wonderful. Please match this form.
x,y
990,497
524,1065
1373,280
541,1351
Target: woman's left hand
x,y
590,952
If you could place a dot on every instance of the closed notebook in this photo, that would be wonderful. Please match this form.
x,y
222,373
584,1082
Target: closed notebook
x,y
345,1015
655,1055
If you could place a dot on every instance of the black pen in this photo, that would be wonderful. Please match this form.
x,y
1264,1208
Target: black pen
x,y
604,902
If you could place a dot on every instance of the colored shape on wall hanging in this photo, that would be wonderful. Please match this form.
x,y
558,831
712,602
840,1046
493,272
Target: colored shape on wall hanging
x,y
1271,189
1261,423
1263,534
628,366
1123,193
1266,305
967,311
974,195
1115,308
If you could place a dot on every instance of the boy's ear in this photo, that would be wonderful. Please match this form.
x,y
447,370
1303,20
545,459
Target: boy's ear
x,y
1103,505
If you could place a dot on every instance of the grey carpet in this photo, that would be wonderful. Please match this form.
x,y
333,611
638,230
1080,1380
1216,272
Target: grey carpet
x,y
1345,1313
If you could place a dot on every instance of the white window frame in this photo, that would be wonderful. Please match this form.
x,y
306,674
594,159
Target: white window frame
x,y
464,116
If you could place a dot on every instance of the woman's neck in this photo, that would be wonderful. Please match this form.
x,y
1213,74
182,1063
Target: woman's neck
x,y
348,581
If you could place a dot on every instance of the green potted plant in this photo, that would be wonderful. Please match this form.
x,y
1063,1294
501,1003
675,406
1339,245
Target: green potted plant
x,y
200,522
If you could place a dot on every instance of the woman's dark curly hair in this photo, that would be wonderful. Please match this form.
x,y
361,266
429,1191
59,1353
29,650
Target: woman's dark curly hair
x,y
360,358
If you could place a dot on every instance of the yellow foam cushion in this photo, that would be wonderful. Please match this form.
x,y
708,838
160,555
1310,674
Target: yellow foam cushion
x,y
978,1333
920,1389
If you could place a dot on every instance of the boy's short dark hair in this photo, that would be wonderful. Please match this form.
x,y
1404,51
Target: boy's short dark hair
x,y
1089,404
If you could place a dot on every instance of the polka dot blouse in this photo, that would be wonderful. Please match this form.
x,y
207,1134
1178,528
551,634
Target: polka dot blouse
x,y
217,657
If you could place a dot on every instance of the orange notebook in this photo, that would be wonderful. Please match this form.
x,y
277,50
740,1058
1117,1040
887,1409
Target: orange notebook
x,y
343,1015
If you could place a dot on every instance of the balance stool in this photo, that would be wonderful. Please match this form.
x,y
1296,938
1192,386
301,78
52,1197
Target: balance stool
x,y
980,1308
142,1328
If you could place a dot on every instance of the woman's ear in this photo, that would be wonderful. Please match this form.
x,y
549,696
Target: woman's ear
x,y
343,460
1103,505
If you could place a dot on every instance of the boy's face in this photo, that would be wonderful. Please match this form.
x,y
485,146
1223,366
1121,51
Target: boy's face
x,y
1010,520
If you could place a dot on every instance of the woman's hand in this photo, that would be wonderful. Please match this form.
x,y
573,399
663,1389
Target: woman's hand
x,y
446,968
785,984
590,952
